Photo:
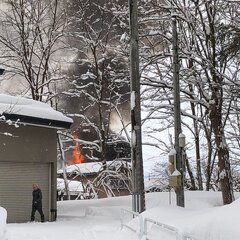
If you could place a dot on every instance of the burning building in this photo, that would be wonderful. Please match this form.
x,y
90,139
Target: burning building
x,y
98,92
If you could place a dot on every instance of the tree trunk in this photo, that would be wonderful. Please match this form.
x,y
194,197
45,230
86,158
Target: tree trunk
x,y
223,155
190,173
197,141
225,175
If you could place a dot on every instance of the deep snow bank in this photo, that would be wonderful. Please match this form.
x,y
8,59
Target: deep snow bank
x,y
3,218
204,217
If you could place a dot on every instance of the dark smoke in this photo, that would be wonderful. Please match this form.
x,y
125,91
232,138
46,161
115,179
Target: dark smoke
x,y
85,84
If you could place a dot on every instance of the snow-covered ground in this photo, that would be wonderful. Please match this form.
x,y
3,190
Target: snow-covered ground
x,y
3,216
203,218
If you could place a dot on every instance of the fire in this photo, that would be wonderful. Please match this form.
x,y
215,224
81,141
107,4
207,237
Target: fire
x,y
77,156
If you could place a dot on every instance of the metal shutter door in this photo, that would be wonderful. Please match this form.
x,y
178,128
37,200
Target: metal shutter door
x,y
16,189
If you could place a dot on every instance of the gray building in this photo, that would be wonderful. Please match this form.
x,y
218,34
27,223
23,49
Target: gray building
x,y
28,154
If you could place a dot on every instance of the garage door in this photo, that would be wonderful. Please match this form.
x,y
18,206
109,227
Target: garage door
x,y
16,189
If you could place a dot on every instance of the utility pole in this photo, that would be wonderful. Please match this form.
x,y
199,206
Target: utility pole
x,y
138,200
177,112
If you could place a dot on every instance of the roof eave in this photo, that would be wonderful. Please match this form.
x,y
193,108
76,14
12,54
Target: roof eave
x,y
37,121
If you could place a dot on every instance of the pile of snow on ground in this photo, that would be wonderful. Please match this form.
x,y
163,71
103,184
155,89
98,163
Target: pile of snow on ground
x,y
3,218
203,218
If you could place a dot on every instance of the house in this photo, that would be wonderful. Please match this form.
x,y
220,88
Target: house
x,y
75,189
156,184
98,182
28,153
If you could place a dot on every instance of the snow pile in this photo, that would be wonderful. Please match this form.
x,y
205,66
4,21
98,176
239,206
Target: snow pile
x,y
203,218
219,223
104,207
3,218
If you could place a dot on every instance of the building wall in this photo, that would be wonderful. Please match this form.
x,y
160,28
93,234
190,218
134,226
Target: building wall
x,y
28,154
27,144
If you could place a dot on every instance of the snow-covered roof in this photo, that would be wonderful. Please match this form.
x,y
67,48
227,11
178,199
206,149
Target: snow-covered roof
x,y
32,112
73,186
85,168
91,167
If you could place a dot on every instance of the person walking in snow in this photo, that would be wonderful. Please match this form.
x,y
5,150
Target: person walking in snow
x,y
37,202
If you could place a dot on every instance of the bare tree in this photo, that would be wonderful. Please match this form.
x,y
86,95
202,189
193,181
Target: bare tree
x,y
207,50
98,86
31,35
207,75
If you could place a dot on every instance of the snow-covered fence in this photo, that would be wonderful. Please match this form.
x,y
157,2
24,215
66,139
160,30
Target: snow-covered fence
x,y
179,235
132,214
143,223
186,236
140,228
161,225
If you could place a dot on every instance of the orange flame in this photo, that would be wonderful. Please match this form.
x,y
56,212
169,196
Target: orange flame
x,y
77,156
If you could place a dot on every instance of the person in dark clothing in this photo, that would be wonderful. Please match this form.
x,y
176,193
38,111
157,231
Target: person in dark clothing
x,y
37,202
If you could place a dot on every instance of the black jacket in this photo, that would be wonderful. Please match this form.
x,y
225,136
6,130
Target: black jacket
x,y
37,197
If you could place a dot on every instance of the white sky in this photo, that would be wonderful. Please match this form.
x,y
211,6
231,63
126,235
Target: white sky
x,y
204,218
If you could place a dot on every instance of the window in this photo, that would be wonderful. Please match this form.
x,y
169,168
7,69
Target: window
x,y
119,183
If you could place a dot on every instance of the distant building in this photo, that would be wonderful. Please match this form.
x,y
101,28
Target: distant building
x,y
156,184
75,189
28,143
100,183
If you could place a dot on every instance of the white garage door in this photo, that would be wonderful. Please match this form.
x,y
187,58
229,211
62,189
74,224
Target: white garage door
x,y
16,181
